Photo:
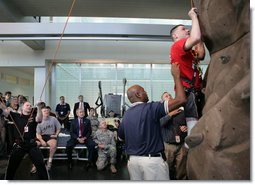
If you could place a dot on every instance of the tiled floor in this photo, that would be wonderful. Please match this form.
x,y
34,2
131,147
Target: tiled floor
x,y
60,171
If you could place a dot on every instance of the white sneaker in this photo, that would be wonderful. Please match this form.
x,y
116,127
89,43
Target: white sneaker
x,y
190,125
49,164
113,169
186,146
33,170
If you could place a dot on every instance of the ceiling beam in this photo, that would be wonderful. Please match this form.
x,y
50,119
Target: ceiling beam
x,y
35,44
81,31
9,13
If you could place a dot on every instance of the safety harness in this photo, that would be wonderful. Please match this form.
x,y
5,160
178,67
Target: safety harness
x,y
195,69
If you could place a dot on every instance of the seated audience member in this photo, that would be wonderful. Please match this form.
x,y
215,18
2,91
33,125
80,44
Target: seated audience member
x,y
112,123
14,106
8,96
112,119
51,113
21,100
9,128
47,132
3,144
106,147
80,132
93,120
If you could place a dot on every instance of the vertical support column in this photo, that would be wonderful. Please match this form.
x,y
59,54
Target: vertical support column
x,y
39,81
52,89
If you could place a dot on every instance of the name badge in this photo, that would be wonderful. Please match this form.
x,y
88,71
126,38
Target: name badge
x,y
26,129
177,139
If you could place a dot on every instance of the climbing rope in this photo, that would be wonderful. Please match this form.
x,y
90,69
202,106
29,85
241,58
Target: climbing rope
x,y
57,49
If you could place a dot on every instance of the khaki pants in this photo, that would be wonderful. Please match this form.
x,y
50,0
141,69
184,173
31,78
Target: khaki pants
x,y
103,155
176,156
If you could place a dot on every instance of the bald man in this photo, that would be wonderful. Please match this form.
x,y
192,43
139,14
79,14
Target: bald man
x,y
140,128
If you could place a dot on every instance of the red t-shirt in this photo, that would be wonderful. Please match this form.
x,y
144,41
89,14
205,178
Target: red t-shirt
x,y
185,59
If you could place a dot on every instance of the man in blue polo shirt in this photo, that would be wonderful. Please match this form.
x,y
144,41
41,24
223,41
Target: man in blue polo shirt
x,y
140,129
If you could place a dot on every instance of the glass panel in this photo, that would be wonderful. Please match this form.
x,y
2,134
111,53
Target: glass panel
x,y
161,72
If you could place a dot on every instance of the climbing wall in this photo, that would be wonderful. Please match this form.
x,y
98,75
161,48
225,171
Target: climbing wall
x,y
220,142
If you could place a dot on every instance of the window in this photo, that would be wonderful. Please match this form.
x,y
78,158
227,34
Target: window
x,y
75,79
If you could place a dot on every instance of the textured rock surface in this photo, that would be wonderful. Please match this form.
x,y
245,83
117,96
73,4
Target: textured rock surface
x,y
224,152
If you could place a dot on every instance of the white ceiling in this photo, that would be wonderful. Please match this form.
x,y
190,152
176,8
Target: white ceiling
x,y
18,11
30,10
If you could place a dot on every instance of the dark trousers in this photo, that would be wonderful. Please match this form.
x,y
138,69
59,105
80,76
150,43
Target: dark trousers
x,y
195,104
65,122
17,155
9,137
71,143
3,146
200,101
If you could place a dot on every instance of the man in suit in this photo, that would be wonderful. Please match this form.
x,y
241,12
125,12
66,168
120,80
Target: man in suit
x,y
82,105
80,132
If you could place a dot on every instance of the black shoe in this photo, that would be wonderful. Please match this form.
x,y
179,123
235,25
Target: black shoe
x,y
88,166
70,166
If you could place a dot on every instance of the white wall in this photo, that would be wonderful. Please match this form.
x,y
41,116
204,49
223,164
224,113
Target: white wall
x,y
16,53
14,84
123,51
